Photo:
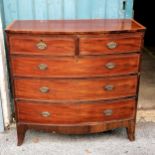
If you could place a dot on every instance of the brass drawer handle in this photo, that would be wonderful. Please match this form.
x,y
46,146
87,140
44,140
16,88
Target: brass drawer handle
x,y
45,114
110,65
109,88
41,45
112,45
108,112
42,67
44,89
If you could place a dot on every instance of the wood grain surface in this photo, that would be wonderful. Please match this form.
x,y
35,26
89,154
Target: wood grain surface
x,y
55,46
70,113
75,89
74,26
27,66
125,43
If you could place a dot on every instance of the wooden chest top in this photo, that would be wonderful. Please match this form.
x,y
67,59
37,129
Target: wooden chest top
x,y
74,26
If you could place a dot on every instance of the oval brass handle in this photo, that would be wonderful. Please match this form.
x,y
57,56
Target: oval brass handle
x,y
42,66
109,88
45,114
44,89
108,112
41,45
112,45
110,65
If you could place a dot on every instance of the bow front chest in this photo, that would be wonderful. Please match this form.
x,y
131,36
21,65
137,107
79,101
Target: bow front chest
x,y
75,76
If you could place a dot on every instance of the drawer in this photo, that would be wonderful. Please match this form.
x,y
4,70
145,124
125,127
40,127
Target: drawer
x,y
111,44
38,45
75,89
75,67
72,113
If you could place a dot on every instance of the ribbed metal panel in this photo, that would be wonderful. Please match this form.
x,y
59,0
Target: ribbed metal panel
x,y
66,9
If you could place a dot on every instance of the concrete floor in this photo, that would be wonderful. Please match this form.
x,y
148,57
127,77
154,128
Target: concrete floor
x,y
110,143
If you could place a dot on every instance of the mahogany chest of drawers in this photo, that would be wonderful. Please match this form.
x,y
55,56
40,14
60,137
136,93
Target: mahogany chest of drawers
x,y
75,76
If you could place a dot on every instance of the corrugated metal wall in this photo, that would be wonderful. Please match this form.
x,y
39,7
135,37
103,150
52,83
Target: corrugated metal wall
x,y
66,9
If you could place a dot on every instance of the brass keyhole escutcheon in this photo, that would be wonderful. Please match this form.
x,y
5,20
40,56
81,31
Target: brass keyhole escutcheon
x,y
112,45
108,112
41,45
43,67
44,89
109,87
45,114
110,65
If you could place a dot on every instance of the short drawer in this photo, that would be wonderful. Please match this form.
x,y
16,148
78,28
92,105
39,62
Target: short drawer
x,y
72,113
38,45
75,89
114,43
75,67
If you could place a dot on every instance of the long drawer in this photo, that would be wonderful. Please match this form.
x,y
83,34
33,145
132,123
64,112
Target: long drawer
x,y
112,44
72,113
75,67
39,45
75,89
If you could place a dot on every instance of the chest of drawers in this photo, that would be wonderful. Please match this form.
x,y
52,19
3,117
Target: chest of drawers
x,y
75,76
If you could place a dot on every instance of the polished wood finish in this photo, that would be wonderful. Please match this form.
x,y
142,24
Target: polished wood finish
x,y
81,66
97,26
54,46
125,43
131,130
76,89
75,76
82,128
73,113
21,130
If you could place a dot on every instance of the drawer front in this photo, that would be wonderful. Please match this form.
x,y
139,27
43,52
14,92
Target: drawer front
x,y
75,89
115,43
75,67
42,45
71,113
